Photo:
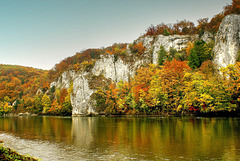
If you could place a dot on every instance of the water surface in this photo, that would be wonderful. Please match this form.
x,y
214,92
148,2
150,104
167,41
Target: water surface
x,y
97,138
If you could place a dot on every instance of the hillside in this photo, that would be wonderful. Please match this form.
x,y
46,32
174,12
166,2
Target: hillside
x,y
169,69
18,84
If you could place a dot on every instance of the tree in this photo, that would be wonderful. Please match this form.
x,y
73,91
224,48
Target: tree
x,y
193,60
202,26
55,107
161,55
200,53
38,104
234,8
231,75
138,49
172,53
204,94
46,103
166,33
66,107
111,99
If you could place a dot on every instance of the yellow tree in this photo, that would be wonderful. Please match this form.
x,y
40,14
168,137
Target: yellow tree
x,y
46,103
123,96
231,75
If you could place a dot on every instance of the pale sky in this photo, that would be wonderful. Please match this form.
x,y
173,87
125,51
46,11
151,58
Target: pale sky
x,y
41,33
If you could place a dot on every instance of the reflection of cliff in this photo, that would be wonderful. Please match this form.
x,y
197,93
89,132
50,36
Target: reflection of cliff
x,y
82,130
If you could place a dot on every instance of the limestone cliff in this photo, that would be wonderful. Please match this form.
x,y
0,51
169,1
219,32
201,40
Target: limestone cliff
x,y
109,68
227,41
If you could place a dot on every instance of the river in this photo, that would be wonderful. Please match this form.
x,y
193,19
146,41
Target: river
x,y
123,138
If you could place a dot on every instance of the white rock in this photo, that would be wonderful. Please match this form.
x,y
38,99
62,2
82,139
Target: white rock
x,y
227,41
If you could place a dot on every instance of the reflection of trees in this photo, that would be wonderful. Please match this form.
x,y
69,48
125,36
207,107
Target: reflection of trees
x,y
47,128
148,138
169,137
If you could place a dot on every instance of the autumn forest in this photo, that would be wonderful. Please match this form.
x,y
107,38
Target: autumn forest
x,y
181,82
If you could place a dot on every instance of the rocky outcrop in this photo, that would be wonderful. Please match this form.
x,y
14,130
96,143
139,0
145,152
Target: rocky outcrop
x,y
109,68
227,41
80,96
207,36
177,42
86,83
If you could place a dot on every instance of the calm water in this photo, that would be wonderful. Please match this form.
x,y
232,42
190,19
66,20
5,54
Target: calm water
x,y
96,138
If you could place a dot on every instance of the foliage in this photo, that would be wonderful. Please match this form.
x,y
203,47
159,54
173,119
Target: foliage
x,y
204,94
8,154
46,103
200,52
18,81
233,8
138,49
181,28
186,27
231,75
83,60
169,86
172,88
162,54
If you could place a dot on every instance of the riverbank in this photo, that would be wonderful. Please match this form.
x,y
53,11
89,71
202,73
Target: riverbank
x,y
222,113
9,154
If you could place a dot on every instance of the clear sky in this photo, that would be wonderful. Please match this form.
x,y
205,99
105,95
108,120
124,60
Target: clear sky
x,y
41,33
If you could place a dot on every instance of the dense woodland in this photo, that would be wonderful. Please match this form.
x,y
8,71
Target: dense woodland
x,y
182,81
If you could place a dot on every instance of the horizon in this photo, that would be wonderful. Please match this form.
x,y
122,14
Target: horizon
x,y
39,34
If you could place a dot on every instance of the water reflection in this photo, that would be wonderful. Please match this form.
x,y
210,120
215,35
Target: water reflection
x,y
97,138
82,130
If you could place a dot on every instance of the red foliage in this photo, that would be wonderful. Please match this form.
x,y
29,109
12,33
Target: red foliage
x,y
139,49
192,109
181,28
234,8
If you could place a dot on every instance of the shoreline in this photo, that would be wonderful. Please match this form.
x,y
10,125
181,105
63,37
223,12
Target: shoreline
x,y
186,114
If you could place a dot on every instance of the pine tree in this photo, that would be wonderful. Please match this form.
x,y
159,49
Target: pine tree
x,y
193,60
161,55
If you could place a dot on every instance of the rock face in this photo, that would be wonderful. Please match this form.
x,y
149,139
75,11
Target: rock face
x,y
80,96
227,41
116,70
207,36
178,42
85,83
111,69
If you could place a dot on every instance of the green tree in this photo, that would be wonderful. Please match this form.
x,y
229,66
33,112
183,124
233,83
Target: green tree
x,y
193,60
6,99
172,53
165,32
201,52
37,104
66,107
161,55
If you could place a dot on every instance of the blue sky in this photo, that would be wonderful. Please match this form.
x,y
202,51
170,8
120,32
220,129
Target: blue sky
x,y
41,33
